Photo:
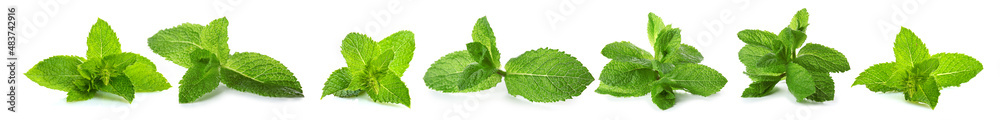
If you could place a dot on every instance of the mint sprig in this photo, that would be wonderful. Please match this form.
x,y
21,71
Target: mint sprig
x,y
374,68
769,58
634,72
106,68
205,52
541,75
916,73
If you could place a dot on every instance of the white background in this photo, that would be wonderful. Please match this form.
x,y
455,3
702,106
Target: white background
x,y
306,37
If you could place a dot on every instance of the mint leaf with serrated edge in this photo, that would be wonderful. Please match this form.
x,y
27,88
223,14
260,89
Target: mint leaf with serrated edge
x,y
541,75
634,72
204,50
770,58
374,68
916,73
106,68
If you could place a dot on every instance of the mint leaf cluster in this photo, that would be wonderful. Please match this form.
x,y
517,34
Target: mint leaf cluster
x,y
769,58
541,75
374,68
205,52
106,68
634,72
916,73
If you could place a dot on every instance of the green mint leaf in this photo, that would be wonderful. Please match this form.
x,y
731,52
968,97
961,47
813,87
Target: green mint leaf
x,y
480,53
684,54
483,34
102,41
800,82
625,51
800,21
697,79
338,80
259,74
877,78
119,85
925,67
770,59
358,50
822,59
663,96
909,49
403,44
792,38
824,87
444,75
667,42
176,44
751,56
760,87
214,38
390,89
80,95
925,91
955,69
625,79
381,63
144,76
766,39
201,78
474,74
546,75
654,26
57,72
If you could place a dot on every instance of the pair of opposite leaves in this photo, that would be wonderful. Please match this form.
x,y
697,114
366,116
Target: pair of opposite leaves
x,y
541,75
205,52
106,68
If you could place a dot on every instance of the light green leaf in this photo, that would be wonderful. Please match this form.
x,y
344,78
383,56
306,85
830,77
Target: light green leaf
x,y
760,37
770,59
909,49
751,55
792,38
474,74
201,78
925,91
102,41
820,58
355,86
480,53
654,25
697,79
800,21
924,68
57,72
668,41
684,54
177,43
403,44
358,50
955,69
381,62
338,80
214,38
261,75
121,86
145,78
877,78
663,96
389,88
626,51
800,82
444,75
80,95
546,75
824,87
760,87
483,34
625,79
